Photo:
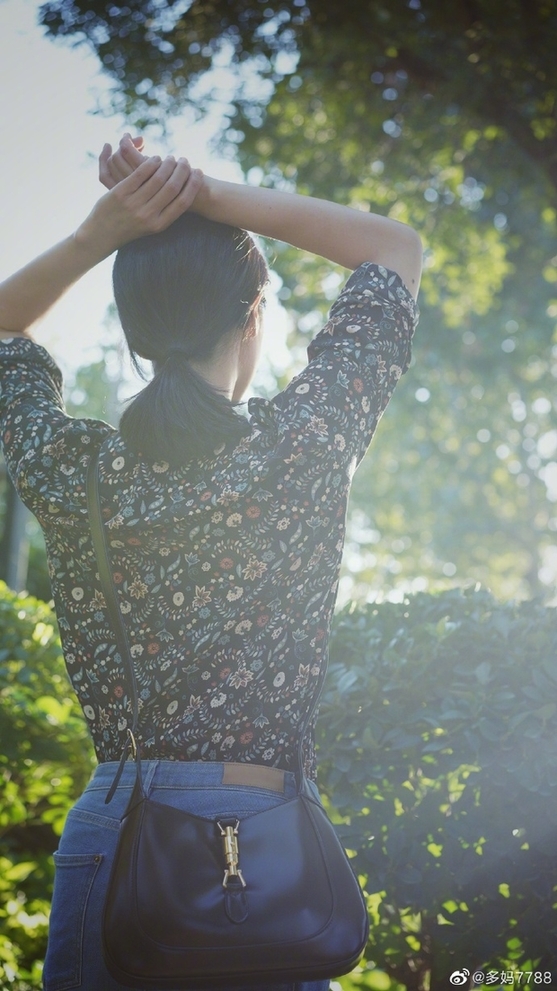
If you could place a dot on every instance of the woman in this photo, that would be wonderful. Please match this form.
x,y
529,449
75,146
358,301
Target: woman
x,y
225,531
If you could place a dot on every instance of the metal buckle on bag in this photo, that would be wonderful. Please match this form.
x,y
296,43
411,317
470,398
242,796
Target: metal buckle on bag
x,y
133,744
231,852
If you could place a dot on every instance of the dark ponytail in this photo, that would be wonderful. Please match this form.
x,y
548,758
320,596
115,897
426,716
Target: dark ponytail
x,y
179,294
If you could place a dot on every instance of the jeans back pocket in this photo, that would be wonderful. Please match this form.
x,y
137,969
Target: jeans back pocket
x,y
73,881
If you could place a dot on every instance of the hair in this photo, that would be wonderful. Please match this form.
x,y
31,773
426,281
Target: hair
x,y
179,294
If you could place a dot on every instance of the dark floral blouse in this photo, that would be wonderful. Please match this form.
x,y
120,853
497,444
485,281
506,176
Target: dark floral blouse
x,y
226,569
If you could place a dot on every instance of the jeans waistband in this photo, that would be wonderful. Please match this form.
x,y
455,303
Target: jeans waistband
x,y
196,774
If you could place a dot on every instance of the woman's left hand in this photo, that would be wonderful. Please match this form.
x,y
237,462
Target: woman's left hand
x,y
125,160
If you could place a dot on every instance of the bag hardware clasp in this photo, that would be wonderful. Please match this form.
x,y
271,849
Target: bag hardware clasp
x,y
231,852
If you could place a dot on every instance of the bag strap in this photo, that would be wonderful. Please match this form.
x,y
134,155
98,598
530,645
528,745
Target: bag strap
x,y
98,535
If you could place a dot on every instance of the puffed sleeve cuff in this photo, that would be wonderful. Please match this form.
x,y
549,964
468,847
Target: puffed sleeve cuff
x,y
35,367
374,313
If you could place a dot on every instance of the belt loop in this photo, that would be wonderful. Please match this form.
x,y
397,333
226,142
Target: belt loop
x,y
150,771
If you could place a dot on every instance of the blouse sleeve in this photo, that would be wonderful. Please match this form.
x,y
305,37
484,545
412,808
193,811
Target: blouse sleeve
x,y
334,405
45,449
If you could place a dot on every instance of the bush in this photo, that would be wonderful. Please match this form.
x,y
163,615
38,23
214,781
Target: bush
x,y
438,754
45,760
438,748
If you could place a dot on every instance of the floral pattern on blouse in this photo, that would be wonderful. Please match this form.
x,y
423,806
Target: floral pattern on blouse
x,y
226,569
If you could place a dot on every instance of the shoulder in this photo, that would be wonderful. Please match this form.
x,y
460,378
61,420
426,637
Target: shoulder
x,y
370,285
33,361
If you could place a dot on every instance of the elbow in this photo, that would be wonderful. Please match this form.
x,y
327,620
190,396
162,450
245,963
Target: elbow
x,y
414,238
415,262
410,243
406,257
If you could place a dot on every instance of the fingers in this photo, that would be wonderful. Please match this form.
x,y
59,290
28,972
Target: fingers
x,y
105,174
129,153
120,164
156,194
138,141
185,198
113,168
173,189
168,182
140,177
119,168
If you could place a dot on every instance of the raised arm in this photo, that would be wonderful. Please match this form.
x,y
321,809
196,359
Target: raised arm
x,y
147,201
339,233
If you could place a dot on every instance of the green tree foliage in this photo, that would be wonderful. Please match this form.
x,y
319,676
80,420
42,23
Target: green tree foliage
x,y
442,115
496,59
93,390
438,759
45,761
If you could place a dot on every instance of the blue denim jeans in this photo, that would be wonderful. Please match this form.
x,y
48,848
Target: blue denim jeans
x,y
84,858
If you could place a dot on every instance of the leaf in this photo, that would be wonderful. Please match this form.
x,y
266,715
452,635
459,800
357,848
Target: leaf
x,y
483,672
20,871
346,681
410,875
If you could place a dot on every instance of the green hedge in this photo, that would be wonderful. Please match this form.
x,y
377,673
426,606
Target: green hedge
x,y
438,751
45,759
438,740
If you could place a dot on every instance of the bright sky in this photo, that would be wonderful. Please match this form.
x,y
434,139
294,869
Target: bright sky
x,y
48,174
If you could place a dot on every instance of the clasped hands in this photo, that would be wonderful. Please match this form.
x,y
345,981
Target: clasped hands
x,y
145,195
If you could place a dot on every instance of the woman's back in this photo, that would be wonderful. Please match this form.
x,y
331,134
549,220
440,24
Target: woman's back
x,y
226,568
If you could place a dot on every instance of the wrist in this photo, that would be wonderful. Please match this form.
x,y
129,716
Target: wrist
x,y
206,200
91,245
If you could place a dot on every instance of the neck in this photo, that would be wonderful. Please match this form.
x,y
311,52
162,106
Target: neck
x,y
220,371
